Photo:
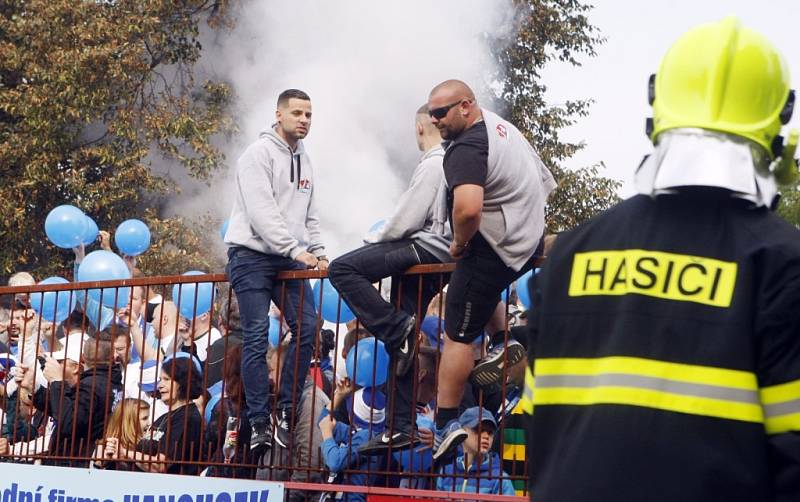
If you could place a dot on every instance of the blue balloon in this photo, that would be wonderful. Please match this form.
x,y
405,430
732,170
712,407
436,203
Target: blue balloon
x,y
99,315
132,237
522,288
184,296
367,355
330,304
65,226
274,331
54,306
90,235
102,265
223,229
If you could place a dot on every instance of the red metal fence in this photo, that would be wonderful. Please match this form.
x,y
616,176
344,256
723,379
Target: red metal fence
x,y
58,415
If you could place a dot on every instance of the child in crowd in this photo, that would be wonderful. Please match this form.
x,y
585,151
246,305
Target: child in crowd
x,y
478,470
341,443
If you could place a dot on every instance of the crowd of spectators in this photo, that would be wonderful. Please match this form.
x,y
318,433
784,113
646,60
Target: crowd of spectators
x,y
153,391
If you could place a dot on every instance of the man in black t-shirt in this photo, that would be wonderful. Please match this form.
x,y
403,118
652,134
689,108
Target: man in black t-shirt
x,y
497,191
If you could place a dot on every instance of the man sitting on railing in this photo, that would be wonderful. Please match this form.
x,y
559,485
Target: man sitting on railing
x,y
416,234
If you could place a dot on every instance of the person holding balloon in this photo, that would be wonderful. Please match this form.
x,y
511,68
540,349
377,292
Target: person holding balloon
x,y
273,227
415,234
341,442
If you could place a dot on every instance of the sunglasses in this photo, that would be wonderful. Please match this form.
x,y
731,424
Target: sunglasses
x,y
442,111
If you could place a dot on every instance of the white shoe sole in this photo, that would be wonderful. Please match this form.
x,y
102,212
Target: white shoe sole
x,y
489,372
449,443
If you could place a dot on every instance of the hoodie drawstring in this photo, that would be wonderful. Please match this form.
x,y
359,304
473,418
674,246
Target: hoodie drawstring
x,y
299,164
291,170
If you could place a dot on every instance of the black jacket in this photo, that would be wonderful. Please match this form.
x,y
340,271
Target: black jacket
x,y
81,412
666,355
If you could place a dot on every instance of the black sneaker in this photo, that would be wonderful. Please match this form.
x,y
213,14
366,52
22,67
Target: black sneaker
x,y
405,354
488,373
380,443
281,427
260,435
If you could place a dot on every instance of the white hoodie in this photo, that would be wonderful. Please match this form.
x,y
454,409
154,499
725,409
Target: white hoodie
x,y
274,210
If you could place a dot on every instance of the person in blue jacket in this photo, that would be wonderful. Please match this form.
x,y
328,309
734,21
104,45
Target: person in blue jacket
x,y
340,442
478,470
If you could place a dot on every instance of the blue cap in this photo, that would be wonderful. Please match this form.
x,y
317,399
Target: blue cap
x,y
367,407
430,326
475,415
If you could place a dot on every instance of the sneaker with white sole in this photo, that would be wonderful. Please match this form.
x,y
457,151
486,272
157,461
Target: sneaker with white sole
x,y
405,354
448,440
261,435
281,427
382,442
488,373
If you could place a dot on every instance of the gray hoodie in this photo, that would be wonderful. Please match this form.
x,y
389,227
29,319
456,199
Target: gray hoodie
x,y
274,210
419,213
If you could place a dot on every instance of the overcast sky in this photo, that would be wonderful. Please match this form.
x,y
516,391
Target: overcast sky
x,y
638,33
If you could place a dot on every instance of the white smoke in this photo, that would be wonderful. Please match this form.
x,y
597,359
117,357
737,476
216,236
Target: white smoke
x,y
367,65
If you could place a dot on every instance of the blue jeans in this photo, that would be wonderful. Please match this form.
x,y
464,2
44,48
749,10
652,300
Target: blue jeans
x,y
253,278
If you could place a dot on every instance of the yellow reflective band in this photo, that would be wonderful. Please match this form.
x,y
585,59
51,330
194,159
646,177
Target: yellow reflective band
x,y
688,373
781,393
513,452
653,273
783,423
683,388
782,407
650,399
526,401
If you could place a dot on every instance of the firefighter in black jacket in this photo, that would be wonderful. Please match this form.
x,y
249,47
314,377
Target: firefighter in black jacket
x,y
665,344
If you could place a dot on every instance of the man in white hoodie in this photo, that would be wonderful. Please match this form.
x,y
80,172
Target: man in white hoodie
x,y
274,227
415,234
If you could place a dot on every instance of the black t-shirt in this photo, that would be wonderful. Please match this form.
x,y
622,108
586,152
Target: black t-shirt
x,y
465,161
183,442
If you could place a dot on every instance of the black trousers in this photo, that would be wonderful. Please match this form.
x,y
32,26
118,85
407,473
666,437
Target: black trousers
x,y
353,275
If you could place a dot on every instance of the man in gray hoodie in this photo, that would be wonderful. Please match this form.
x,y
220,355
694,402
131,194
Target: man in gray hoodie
x,y
416,234
274,227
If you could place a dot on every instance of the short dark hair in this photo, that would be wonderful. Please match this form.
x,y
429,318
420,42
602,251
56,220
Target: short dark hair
x,y
97,351
288,94
184,372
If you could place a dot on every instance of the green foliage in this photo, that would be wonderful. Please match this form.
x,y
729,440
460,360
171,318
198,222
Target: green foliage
x,y
92,93
789,207
547,31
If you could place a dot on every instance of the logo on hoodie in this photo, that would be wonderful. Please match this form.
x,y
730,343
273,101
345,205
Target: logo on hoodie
x,y
501,131
304,185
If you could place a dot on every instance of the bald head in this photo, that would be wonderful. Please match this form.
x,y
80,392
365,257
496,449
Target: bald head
x,y
453,108
454,89
165,319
